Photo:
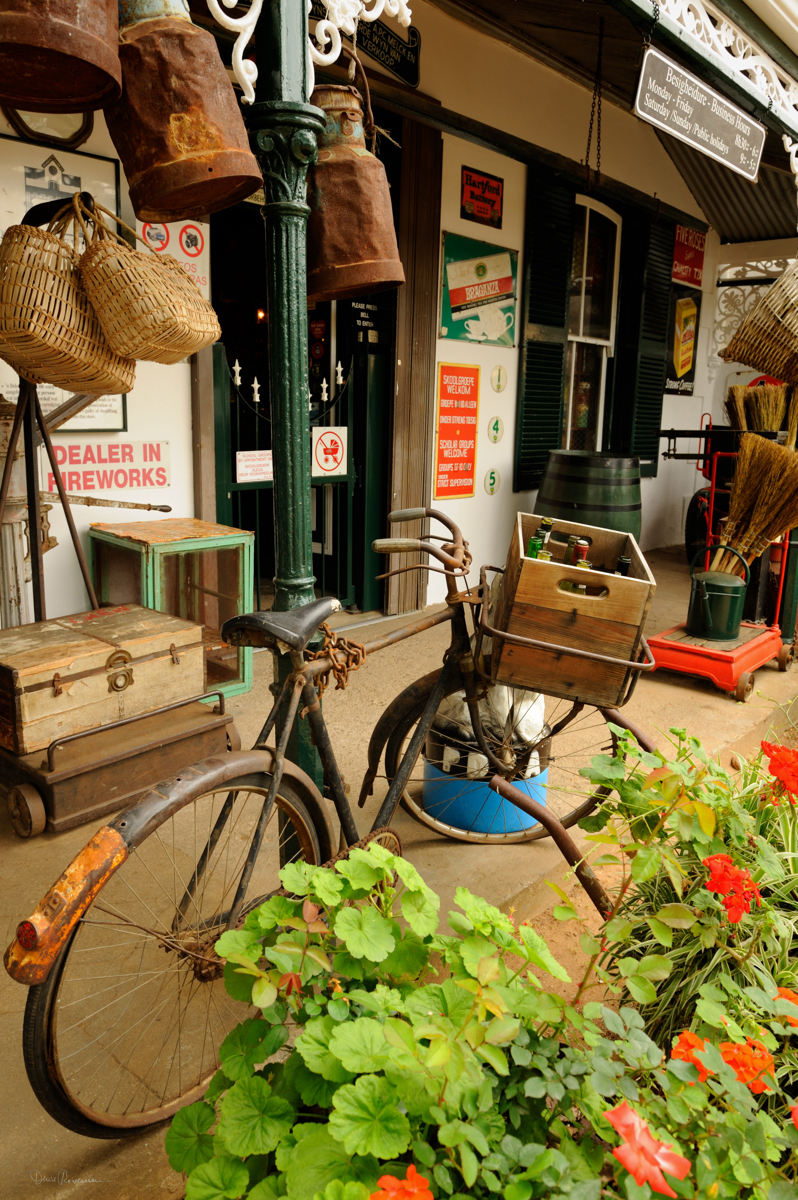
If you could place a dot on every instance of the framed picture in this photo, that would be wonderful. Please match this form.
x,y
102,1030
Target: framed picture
x,y
33,174
479,285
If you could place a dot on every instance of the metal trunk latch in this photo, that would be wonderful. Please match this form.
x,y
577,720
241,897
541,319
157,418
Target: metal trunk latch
x,y
122,674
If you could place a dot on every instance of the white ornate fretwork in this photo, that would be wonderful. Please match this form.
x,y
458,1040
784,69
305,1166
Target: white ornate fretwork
x,y
737,53
324,48
734,303
792,151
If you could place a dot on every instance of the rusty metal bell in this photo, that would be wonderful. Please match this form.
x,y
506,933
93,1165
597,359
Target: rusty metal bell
x,y
178,128
352,246
59,56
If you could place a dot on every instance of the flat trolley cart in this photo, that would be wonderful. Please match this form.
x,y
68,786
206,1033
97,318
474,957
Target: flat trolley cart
x,y
90,774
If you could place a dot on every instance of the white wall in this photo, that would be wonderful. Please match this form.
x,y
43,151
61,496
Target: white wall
x,y
158,410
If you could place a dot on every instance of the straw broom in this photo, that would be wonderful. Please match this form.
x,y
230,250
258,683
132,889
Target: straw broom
x,y
766,406
735,406
792,420
750,473
775,507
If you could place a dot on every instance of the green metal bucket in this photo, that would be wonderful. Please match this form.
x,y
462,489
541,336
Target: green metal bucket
x,y
592,489
716,602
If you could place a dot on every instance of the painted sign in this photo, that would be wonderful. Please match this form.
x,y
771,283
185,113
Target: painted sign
x,y
109,466
684,317
385,46
187,241
481,197
688,256
456,430
479,290
329,450
674,100
254,466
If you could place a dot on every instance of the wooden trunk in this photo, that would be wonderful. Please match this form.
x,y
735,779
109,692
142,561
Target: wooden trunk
x,y
80,672
608,620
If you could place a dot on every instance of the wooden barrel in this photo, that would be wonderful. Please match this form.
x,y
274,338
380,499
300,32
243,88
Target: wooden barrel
x,y
598,489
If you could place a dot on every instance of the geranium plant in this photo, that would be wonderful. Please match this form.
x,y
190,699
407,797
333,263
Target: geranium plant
x,y
478,1082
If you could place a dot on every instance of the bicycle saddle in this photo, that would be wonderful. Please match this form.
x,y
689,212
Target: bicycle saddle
x,y
292,629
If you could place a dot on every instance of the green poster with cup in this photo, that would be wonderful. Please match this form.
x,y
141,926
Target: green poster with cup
x,y
478,298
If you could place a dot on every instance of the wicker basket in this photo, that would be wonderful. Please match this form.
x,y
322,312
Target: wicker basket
x,y
147,303
48,330
767,340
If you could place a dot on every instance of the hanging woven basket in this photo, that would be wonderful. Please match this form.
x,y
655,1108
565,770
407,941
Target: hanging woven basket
x,y
147,303
767,339
49,332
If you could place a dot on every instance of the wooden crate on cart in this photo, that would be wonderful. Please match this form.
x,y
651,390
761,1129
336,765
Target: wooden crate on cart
x,y
608,620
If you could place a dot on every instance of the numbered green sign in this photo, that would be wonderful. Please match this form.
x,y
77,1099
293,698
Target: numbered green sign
x,y
492,482
495,429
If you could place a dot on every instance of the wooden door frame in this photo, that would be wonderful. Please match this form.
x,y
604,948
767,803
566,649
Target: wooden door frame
x,y
419,237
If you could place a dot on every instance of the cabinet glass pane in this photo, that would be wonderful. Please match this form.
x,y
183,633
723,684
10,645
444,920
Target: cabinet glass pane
x,y
206,586
117,574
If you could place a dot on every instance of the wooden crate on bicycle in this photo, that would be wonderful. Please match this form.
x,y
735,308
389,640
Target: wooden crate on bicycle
x,y
608,619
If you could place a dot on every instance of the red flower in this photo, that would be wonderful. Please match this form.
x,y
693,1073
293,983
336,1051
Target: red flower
x,y
733,883
642,1155
783,765
751,1062
787,994
794,1115
685,1048
402,1189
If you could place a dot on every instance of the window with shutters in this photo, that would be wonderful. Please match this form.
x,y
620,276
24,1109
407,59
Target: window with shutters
x,y
591,322
594,338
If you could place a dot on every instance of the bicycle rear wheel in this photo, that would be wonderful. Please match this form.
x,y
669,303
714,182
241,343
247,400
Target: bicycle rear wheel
x,y
448,787
127,1027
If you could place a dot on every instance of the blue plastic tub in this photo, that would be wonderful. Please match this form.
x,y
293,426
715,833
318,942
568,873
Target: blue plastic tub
x,y
469,804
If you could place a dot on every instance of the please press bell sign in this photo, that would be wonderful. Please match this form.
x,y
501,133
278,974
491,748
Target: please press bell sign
x,y
674,100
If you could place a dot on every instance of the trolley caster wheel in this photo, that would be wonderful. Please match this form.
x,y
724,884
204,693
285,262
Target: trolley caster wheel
x,y
26,810
233,738
786,657
745,686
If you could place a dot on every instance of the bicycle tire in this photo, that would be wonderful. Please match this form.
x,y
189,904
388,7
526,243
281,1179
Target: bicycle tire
x,y
101,1100
589,724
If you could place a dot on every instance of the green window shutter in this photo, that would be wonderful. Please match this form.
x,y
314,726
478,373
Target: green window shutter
x,y
652,352
547,274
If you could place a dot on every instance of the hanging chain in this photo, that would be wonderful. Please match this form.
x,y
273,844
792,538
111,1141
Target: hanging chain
x,y
595,111
345,656
654,23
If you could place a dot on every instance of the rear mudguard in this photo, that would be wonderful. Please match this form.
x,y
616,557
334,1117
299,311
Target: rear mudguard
x,y
56,916
405,702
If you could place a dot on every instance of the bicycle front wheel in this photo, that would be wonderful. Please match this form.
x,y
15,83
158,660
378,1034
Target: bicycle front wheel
x,y
545,742
127,1027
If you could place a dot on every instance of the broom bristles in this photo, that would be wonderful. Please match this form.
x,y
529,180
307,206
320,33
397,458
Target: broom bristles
x,y
770,479
792,420
735,406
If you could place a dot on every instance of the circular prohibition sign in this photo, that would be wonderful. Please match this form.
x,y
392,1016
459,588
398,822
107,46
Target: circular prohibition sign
x,y
328,452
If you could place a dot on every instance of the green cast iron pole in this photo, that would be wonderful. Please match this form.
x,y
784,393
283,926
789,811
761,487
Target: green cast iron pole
x,y
283,128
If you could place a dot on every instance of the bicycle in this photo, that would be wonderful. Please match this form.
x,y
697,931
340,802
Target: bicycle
x,y
127,1004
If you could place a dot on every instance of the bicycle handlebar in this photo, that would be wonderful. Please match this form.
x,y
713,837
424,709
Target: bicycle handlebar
x,y
407,514
396,545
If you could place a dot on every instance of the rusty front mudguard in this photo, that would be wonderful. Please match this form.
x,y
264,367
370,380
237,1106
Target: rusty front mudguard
x,y
56,916
417,693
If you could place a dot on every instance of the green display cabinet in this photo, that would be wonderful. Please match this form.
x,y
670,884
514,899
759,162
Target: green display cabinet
x,y
191,569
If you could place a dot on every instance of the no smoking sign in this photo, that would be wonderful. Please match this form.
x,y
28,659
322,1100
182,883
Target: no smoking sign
x,y
329,450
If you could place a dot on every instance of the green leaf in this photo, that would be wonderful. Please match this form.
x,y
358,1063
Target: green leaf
x,y
327,886
222,1178
383,1000
646,863
408,958
188,1143
399,1034
236,985
220,1083
661,932
654,966
264,993
253,1120
265,1189
365,933
410,877
494,1057
360,870
366,1119
318,1160
420,910
468,1165
296,877
314,1046
360,1045
518,1191
276,911
618,930
439,999
676,916
613,1021
239,941
537,952
473,950
312,1089
561,912
250,1043
642,990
